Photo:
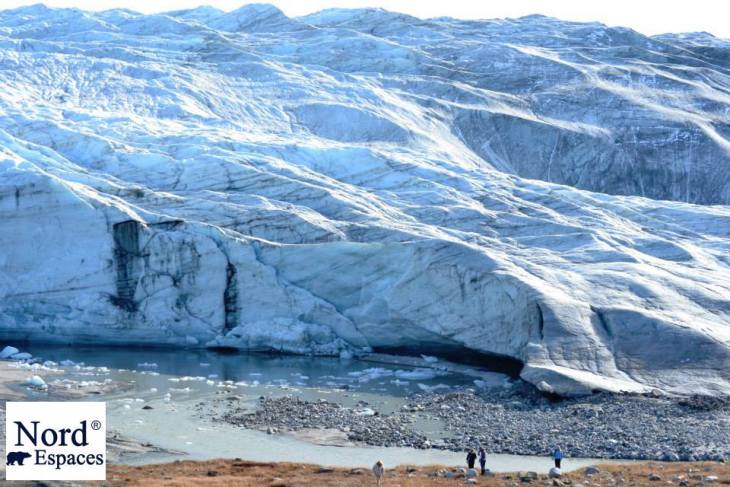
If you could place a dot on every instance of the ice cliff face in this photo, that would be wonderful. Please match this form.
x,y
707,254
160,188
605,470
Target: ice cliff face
x,y
357,180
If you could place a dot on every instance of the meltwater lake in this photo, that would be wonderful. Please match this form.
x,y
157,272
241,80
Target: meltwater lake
x,y
167,398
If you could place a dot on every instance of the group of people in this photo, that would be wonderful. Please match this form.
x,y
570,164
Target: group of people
x,y
471,458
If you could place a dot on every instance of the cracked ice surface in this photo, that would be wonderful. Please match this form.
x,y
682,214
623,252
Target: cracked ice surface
x,y
357,179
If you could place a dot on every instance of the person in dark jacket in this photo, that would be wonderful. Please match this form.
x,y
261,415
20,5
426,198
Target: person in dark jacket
x,y
557,456
482,460
471,457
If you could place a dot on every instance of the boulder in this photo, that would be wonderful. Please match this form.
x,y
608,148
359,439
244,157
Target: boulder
x,y
554,473
527,476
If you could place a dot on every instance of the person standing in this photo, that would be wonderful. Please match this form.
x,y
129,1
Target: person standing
x,y
378,472
482,460
471,457
557,456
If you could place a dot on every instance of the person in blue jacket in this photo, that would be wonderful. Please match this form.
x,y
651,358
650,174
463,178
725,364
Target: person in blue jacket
x,y
557,456
482,459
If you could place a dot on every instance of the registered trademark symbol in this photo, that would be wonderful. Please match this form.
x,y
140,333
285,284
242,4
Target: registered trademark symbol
x,y
96,425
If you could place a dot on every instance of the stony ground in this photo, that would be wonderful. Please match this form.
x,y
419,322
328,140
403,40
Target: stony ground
x,y
239,473
361,424
600,426
517,422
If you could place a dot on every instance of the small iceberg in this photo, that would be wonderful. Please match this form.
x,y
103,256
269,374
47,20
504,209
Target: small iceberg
x,y
370,374
8,351
427,388
37,382
416,374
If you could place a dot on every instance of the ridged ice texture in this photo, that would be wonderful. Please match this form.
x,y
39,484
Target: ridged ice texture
x,y
358,179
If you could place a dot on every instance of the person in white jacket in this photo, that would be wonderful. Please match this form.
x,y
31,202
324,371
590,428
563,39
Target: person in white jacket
x,y
378,471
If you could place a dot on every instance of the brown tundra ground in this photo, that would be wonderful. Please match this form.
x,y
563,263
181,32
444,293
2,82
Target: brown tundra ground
x,y
242,473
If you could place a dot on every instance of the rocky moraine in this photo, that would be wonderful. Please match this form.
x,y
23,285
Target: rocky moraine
x,y
519,422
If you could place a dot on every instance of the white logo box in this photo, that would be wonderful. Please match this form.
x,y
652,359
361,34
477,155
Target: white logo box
x,y
70,441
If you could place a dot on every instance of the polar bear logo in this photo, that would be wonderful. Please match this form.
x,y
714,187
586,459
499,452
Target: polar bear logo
x,y
17,457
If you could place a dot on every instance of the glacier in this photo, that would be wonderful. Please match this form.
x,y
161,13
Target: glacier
x,y
550,193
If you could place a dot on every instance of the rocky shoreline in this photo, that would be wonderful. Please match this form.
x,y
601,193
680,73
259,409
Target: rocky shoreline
x,y
518,421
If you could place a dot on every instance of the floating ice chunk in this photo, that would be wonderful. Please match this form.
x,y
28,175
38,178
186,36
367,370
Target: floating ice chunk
x,y
430,359
416,374
68,363
204,364
37,382
8,351
346,355
427,388
149,365
21,356
372,373
153,390
191,379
